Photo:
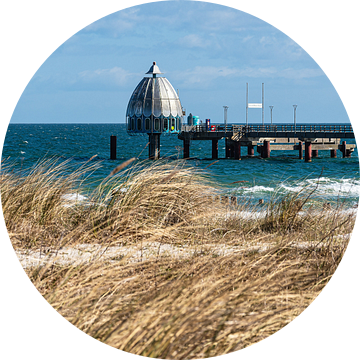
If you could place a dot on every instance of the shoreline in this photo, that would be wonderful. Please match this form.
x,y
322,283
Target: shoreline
x,y
82,254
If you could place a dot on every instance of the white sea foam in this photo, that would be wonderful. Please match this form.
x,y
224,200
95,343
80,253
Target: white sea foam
x,y
72,199
350,212
323,187
327,186
261,213
256,189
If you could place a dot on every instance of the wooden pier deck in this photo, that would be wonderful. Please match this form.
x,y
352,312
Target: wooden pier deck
x,y
267,138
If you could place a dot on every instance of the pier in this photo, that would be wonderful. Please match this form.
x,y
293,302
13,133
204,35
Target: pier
x,y
154,109
308,139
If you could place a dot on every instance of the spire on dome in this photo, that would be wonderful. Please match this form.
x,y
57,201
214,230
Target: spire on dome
x,y
154,69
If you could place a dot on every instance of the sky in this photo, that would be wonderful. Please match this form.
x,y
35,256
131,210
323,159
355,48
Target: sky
x,y
207,51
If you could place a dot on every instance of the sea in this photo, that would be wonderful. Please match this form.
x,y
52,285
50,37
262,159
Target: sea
x,y
252,178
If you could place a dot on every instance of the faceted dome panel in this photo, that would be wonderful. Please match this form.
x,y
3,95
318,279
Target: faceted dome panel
x,y
154,96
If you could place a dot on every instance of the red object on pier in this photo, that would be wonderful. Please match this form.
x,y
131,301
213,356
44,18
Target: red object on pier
x,y
207,124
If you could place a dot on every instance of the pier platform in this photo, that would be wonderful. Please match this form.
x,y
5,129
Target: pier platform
x,y
266,138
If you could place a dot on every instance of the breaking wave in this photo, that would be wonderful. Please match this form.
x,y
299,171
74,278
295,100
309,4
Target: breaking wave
x,y
326,186
323,186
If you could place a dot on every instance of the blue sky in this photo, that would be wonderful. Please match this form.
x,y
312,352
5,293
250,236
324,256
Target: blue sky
x,y
208,52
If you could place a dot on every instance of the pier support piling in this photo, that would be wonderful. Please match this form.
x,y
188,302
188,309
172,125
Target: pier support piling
x,y
265,153
227,148
308,151
315,153
154,146
232,150
214,149
333,153
237,150
186,148
344,150
112,147
250,150
300,150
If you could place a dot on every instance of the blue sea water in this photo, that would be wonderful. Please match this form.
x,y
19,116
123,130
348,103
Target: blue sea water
x,y
337,179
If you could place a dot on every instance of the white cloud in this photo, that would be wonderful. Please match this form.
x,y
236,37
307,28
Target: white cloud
x,y
287,73
88,80
203,75
247,38
292,51
114,76
222,19
116,23
194,41
300,73
199,76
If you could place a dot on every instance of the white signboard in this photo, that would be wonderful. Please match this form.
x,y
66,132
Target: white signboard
x,y
255,106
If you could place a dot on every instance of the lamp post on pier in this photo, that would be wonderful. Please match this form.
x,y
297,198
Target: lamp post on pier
x,y
225,115
295,106
271,107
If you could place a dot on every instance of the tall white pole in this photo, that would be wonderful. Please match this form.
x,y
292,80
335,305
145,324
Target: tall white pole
x,y
262,102
247,102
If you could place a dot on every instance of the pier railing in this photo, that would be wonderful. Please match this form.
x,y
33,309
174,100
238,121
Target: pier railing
x,y
299,128
212,128
251,129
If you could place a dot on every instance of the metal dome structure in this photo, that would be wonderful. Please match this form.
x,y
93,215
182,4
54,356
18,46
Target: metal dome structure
x,y
154,106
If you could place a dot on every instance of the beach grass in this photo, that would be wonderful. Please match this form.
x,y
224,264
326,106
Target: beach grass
x,y
151,262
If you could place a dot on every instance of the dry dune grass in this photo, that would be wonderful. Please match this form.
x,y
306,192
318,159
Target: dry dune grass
x,y
205,303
